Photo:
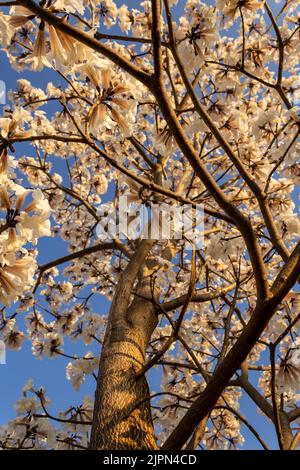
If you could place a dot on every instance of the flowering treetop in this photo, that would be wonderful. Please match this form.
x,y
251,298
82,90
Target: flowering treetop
x,y
196,107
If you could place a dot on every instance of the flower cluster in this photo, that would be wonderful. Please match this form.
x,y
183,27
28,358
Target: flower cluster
x,y
22,223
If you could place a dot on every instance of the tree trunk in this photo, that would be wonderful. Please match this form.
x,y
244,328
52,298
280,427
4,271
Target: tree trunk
x,y
122,415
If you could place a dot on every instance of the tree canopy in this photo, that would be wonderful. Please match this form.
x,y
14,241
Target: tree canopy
x,y
176,103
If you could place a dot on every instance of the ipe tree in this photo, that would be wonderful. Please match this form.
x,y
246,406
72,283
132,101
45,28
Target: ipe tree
x,y
168,104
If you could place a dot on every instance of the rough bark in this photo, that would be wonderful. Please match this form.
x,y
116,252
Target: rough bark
x,y
286,432
122,415
198,435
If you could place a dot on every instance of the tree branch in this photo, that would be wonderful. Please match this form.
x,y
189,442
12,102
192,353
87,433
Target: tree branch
x,y
116,244
237,355
86,39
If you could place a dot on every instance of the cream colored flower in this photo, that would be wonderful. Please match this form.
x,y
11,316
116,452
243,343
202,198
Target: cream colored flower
x,y
231,7
288,377
113,105
19,16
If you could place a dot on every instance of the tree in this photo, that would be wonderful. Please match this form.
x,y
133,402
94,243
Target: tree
x,y
193,104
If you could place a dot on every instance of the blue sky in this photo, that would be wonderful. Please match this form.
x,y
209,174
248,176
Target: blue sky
x,y
50,373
